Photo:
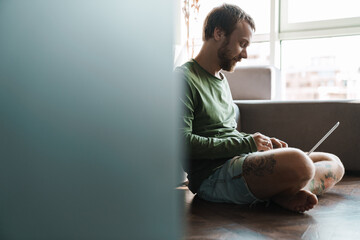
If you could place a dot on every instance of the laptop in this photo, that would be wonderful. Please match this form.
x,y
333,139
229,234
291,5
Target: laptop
x,y
323,139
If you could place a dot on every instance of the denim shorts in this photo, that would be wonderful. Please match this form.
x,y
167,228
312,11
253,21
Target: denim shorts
x,y
227,184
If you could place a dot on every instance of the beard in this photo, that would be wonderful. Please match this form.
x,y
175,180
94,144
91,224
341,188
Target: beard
x,y
227,61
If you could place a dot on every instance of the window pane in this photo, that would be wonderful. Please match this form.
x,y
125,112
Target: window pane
x,y
326,68
317,10
258,54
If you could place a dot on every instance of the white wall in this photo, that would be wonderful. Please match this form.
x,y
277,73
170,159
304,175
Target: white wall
x,y
88,145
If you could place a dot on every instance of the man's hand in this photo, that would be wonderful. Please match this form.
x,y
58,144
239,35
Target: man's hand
x,y
278,143
264,143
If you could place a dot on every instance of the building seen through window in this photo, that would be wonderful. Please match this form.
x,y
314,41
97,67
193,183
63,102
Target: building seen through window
x,y
326,68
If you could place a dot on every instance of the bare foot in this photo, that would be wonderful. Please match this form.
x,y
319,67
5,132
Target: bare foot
x,y
300,202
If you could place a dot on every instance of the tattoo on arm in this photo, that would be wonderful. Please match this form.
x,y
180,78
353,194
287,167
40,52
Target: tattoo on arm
x,y
259,165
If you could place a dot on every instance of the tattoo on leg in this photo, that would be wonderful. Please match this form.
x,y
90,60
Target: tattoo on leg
x,y
330,179
330,175
323,184
328,166
259,165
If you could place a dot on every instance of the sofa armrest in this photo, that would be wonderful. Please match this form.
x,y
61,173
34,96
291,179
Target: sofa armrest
x,y
303,123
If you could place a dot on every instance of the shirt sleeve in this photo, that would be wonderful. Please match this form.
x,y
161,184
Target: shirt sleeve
x,y
200,147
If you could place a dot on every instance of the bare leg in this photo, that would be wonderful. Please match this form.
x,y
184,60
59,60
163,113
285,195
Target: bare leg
x,y
281,175
328,171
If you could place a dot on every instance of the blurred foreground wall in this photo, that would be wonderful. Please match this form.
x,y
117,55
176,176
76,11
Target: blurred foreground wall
x,y
87,120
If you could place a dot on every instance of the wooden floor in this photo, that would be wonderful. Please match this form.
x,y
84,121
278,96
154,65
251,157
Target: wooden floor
x,y
337,216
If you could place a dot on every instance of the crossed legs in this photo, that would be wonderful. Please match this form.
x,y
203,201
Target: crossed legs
x,y
290,178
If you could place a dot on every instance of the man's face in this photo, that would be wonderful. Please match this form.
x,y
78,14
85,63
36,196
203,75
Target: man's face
x,y
233,48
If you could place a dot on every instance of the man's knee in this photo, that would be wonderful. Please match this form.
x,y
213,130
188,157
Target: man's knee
x,y
302,168
340,169
291,170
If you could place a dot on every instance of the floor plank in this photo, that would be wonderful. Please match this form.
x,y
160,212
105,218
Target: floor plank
x,y
337,216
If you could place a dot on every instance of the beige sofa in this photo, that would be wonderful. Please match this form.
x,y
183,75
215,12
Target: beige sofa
x,y
303,123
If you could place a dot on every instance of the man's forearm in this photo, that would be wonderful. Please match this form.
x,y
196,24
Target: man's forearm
x,y
213,148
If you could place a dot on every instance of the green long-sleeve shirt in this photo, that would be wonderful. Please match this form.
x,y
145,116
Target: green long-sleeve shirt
x,y
209,121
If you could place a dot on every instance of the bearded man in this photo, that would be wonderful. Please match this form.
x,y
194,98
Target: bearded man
x,y
225,165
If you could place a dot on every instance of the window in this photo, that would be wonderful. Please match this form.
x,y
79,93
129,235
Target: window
x,y
315,44
308,10
320,14
319,49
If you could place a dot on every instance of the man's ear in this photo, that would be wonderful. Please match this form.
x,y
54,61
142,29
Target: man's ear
x,y
218,34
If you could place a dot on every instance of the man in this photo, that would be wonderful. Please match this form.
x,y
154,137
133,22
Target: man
x,y
225,165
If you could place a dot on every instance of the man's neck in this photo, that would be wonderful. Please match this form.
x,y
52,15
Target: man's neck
x,y
207,59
